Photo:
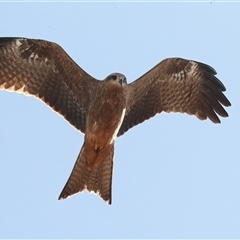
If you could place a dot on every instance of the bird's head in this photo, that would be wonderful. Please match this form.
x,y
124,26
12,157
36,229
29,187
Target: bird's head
x,y
117,77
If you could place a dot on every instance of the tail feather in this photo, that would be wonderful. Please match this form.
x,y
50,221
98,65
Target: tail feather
x,y
98,180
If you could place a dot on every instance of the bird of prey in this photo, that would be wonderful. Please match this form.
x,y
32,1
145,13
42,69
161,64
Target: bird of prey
x,y
104,110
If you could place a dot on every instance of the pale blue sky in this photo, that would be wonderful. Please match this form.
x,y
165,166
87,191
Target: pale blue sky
x,y
174,176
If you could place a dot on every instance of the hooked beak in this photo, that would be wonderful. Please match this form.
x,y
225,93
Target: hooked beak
x,y
122,81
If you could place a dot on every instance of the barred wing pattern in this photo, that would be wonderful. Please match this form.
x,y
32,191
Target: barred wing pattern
x,y
44,70
175,85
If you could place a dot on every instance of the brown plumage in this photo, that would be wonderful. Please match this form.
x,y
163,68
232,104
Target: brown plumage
x,y
105,109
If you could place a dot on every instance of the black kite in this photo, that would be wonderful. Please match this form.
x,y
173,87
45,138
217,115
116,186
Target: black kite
x,y
103,110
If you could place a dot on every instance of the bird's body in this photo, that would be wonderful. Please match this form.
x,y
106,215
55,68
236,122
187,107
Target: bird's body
x,y
102,127
103,110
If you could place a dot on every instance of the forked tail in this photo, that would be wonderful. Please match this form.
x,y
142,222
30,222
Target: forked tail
x,y
98,180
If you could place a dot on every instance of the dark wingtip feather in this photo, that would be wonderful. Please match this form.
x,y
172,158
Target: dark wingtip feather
x,y
212,91
210,71
207,68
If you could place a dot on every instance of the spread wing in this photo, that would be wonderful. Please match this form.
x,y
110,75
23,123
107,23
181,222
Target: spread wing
x,y
175,85
44,70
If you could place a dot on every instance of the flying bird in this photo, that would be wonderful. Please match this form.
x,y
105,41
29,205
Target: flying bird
x,y
106,109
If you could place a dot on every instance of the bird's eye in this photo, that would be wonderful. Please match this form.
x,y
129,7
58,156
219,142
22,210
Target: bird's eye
x,y
114,77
